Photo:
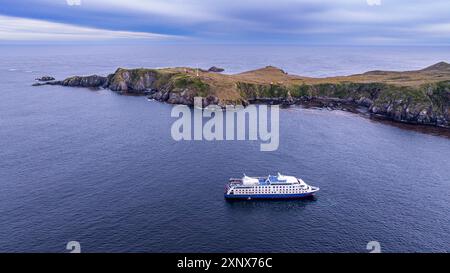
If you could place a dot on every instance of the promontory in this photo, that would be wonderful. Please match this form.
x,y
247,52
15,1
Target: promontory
x,y
417,96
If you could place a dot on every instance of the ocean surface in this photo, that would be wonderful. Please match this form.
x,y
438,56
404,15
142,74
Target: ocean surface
x,y
102,169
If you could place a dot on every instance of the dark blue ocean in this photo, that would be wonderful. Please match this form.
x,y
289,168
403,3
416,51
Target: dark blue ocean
x,y
102,169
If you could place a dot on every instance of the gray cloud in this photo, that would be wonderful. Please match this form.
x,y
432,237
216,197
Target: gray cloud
x,y
20,29
297,21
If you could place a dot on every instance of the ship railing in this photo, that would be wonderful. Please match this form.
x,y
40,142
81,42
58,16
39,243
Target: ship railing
x,y
234,182
235,179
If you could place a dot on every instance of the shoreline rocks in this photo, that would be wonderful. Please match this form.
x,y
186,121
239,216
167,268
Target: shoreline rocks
x,y
45,79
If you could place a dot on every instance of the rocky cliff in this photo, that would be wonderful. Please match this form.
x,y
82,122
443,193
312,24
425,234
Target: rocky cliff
x,y
418,97
428,104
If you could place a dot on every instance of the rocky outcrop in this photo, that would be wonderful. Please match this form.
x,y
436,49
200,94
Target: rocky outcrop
x,y
78,81
45,79
133,80
216,69
47,83
88,81
430,107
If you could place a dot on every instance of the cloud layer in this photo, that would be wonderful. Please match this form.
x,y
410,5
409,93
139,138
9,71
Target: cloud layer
x,y
269,21
21,29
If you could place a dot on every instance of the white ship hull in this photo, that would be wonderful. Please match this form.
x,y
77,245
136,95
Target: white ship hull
x,y
271,187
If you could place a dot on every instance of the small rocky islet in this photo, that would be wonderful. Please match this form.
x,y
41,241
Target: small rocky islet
x,y
415,97
45,79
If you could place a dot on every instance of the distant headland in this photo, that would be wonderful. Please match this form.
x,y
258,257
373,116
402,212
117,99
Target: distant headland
x,y
415,97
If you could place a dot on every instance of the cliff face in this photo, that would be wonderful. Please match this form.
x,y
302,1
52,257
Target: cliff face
x,y
430,104
174,87
89,81
420,97
133,80
427,104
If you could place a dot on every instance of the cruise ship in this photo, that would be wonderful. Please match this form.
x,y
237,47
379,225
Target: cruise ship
x,y
270,187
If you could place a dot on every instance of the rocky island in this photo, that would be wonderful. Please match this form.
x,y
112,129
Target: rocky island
x,y
416,97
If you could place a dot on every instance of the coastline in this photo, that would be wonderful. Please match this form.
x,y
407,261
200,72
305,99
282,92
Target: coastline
x,y
420,97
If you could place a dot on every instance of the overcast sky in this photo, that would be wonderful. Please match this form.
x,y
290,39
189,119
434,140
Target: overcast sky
x,y
329,22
